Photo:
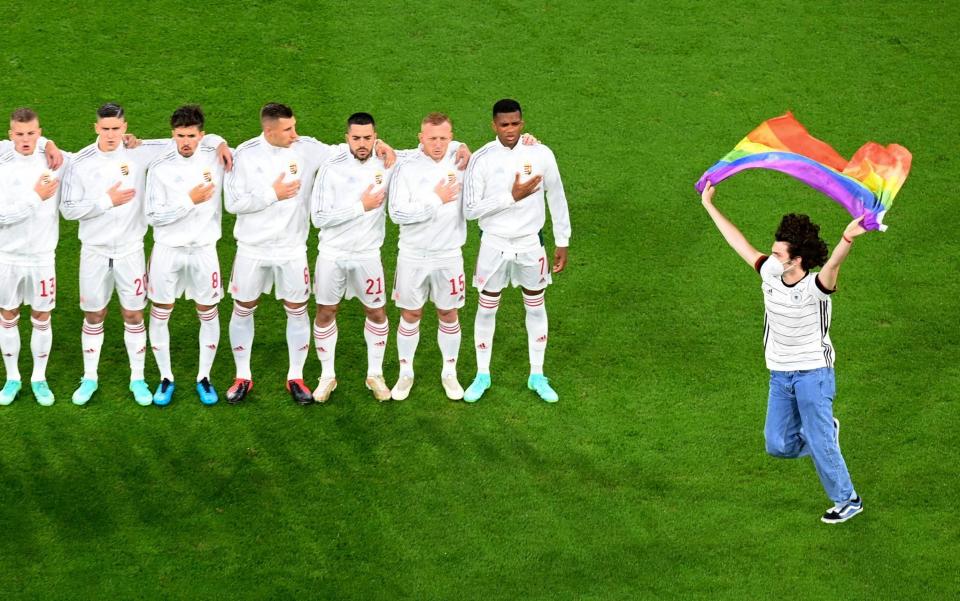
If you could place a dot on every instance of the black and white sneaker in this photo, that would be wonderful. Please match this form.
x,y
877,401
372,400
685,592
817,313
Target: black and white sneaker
x,y
842,512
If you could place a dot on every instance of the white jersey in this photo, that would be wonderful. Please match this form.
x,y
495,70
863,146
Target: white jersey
x,y
428,227
796,323
345,228
29,226
105,229
487,193
176,220
268,228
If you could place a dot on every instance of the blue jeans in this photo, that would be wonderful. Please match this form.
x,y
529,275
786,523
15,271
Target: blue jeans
x,y
800,423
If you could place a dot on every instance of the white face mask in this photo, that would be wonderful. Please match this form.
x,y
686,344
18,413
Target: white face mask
x,y
774,268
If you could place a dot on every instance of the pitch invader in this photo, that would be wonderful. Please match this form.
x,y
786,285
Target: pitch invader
x,y
29,230
103,188
183,204
269,191
797,347
505,188
425,203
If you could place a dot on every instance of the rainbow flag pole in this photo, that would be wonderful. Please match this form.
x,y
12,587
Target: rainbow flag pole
x,y
864,185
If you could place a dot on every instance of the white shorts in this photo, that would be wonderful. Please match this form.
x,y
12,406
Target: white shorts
x,y
497,269
442,280
253,277
337,279
100,275
28,285
194,271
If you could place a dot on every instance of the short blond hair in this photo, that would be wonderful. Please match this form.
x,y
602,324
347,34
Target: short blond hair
x,y
436,119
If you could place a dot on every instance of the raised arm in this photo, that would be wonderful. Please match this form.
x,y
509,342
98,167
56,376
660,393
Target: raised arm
x,y
731,234
828,274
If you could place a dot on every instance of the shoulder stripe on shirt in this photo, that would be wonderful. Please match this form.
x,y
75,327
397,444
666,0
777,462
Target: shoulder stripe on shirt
x,y
85,154
251,143
163,158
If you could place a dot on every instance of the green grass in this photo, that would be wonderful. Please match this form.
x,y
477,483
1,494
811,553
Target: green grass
x,y
648,479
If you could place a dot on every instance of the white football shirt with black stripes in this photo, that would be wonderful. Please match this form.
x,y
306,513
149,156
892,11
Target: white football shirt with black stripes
x,y
796,322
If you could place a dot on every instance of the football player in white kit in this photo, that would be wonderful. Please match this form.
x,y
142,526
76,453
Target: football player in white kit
x,y
29,230
504,190
348,207
269,191
425,203
103,188
183,204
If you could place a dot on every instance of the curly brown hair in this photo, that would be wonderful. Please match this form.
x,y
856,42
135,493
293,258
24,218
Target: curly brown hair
x,y
803,238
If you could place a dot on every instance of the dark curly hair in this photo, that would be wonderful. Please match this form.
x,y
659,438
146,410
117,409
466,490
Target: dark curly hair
x,y
803,238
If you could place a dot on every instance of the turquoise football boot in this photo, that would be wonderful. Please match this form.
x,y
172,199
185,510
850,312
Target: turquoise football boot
x,y
541,385
42,393
10,391
81,396
480,385
141,393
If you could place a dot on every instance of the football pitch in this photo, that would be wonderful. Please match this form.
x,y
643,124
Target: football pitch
x,y
648,480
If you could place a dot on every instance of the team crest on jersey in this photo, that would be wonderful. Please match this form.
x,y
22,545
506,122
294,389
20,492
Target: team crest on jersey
x,y
207,176
294,168
45,177
451,177
378,178
796,297
527,168
125,169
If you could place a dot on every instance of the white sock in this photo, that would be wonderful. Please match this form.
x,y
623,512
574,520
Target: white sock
x,y
298,340
325,341
241,339
376,336
135,339
209,339
160,340
536,330
91,337
10,346
483,328
40,343
408,337
448,337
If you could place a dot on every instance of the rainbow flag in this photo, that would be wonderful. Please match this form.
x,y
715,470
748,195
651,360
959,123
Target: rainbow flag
x,y
864,185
